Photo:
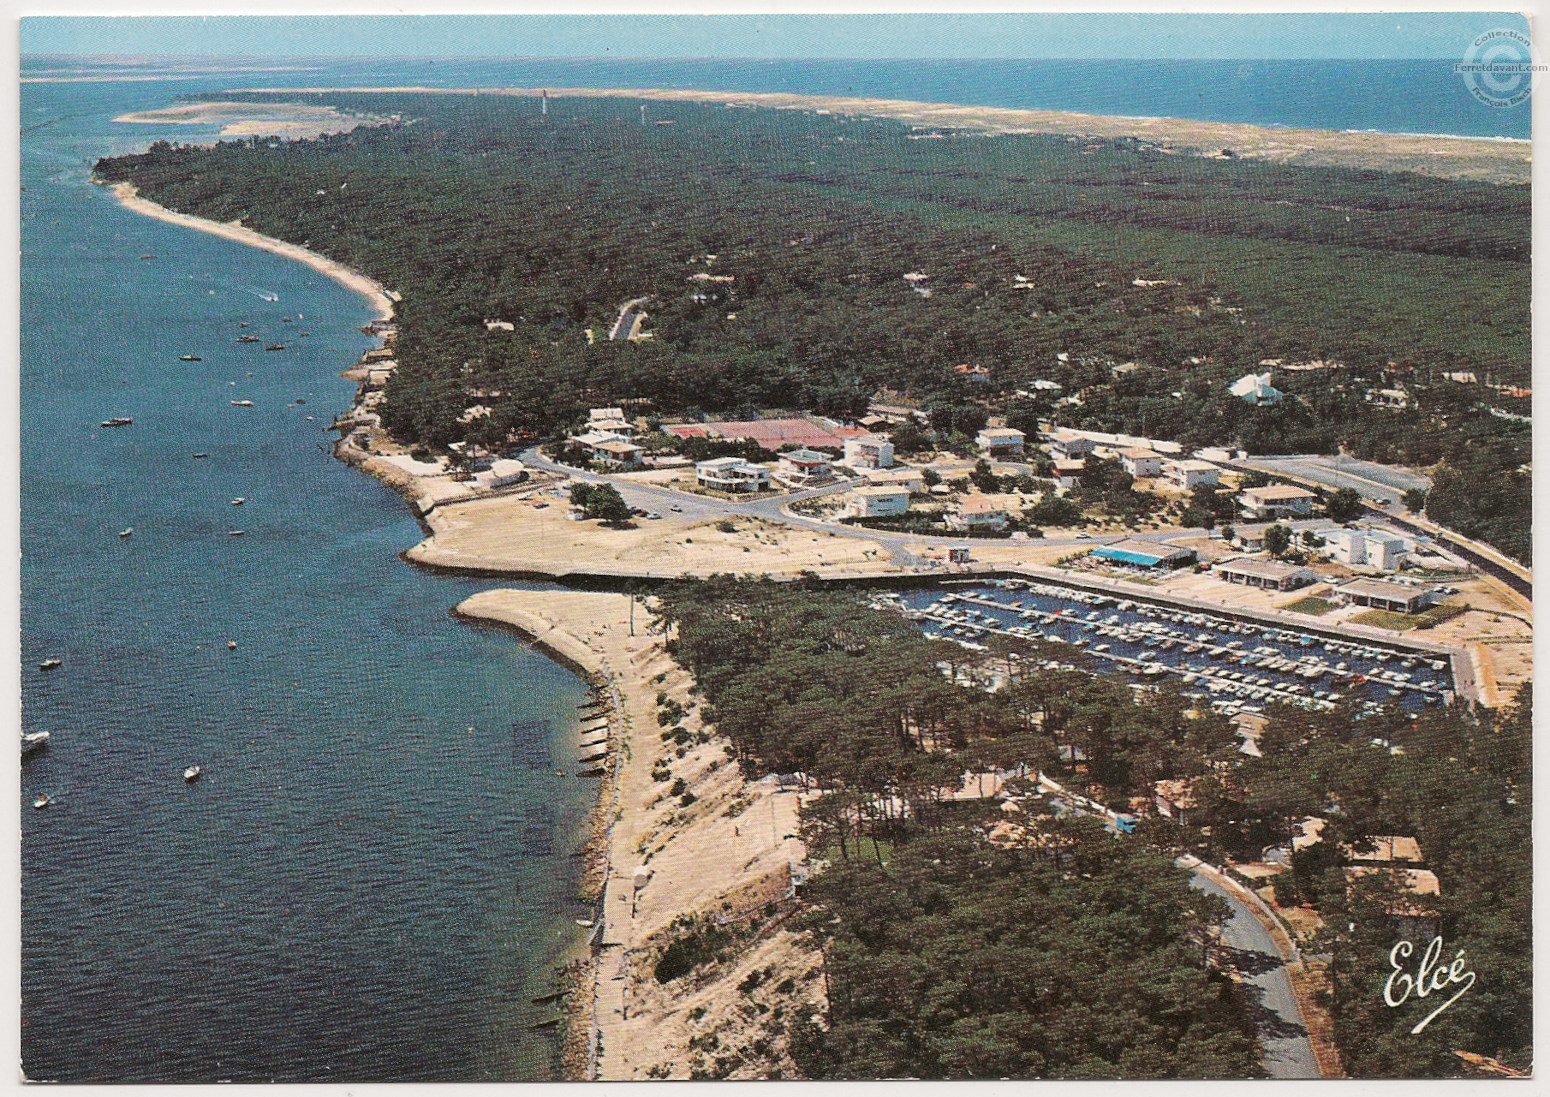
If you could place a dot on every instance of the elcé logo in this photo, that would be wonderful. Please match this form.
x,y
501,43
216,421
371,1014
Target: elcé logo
x,y
1427,980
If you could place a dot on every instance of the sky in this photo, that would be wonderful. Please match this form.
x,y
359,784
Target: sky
x,y
1090,35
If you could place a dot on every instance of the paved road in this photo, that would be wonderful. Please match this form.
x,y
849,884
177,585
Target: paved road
x,y
1277,1021
1386,483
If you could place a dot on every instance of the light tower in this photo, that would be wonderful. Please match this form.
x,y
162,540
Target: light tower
x,y
643,114
543,102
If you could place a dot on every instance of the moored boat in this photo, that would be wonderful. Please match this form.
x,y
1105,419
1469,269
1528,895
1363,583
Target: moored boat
x,y
118,421
36,740
192,773
50,664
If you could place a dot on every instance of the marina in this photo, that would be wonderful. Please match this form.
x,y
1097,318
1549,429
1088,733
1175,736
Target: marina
x,y
1237,666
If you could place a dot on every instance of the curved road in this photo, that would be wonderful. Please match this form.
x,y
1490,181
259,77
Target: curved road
x,y
1277,1020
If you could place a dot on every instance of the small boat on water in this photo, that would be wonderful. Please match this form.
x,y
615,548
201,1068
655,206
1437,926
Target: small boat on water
x,y
37,740
239,500
299,400
275,346
43,801
200,456
231,645
189,358
118,421
148,257
192,773
242,403
235,532
243,324
50,664
247,339
130,532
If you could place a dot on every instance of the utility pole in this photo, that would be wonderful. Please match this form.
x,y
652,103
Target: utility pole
x,y
643,114
543,102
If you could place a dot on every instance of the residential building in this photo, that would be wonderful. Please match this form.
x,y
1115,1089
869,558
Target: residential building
x,y
900,476
1145,554
1189,475
999,441
1381,594
868,451
1255,388
1067,473
879,502
1068,445
1140,462
732,475
978,512
801,467
1274,502
1369,547
616,453
1269,574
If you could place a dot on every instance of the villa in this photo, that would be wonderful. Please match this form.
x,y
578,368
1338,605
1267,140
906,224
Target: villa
x,y
1000,440
802,467
1275,501
868,451
732,475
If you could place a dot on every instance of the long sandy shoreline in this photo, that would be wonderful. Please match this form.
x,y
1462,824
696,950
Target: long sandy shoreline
x,y
1481,159
345,276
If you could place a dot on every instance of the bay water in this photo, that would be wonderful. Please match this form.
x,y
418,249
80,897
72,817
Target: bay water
x,y
375,874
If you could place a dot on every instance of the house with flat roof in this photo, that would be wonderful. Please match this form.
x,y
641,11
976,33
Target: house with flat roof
x,y
878,502
900,476
1068,445
1145,554
1382,594
1267,574
868,451
801,467
1275,501
999,441
1141,462
1372,548
1189,475
1067,473
979,512
732,475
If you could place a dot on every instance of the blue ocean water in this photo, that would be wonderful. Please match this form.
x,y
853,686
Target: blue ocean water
x,y
1390,96
374,876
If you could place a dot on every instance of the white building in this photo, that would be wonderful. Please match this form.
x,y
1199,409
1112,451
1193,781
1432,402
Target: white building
x,y
900,476
1388,399
610,421
1372,548
868,451
1189,475
616,453
978,512
879,502
801,467
1140,462
1068,445
1001,440
1255,388
732,475
1276,501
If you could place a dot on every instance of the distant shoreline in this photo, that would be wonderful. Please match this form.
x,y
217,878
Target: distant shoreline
x,y
380,300
1499,160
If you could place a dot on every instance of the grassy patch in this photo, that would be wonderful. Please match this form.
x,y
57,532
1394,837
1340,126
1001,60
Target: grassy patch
x,y
1438,614
1382,618
1311,605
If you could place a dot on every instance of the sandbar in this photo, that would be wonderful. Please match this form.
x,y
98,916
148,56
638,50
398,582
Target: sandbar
x,y
1482,159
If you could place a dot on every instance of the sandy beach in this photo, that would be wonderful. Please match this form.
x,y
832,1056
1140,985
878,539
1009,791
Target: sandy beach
x,y
1479,159
352,279
290,120
726,855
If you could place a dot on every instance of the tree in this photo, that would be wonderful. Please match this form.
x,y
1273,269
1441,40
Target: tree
x,y
1344,505
607,505
1415,500
1195,515
1229,533
1278,539
930,478
908,437
983,478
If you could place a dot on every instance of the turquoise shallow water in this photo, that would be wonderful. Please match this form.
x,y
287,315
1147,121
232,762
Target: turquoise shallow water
x,y
375,874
